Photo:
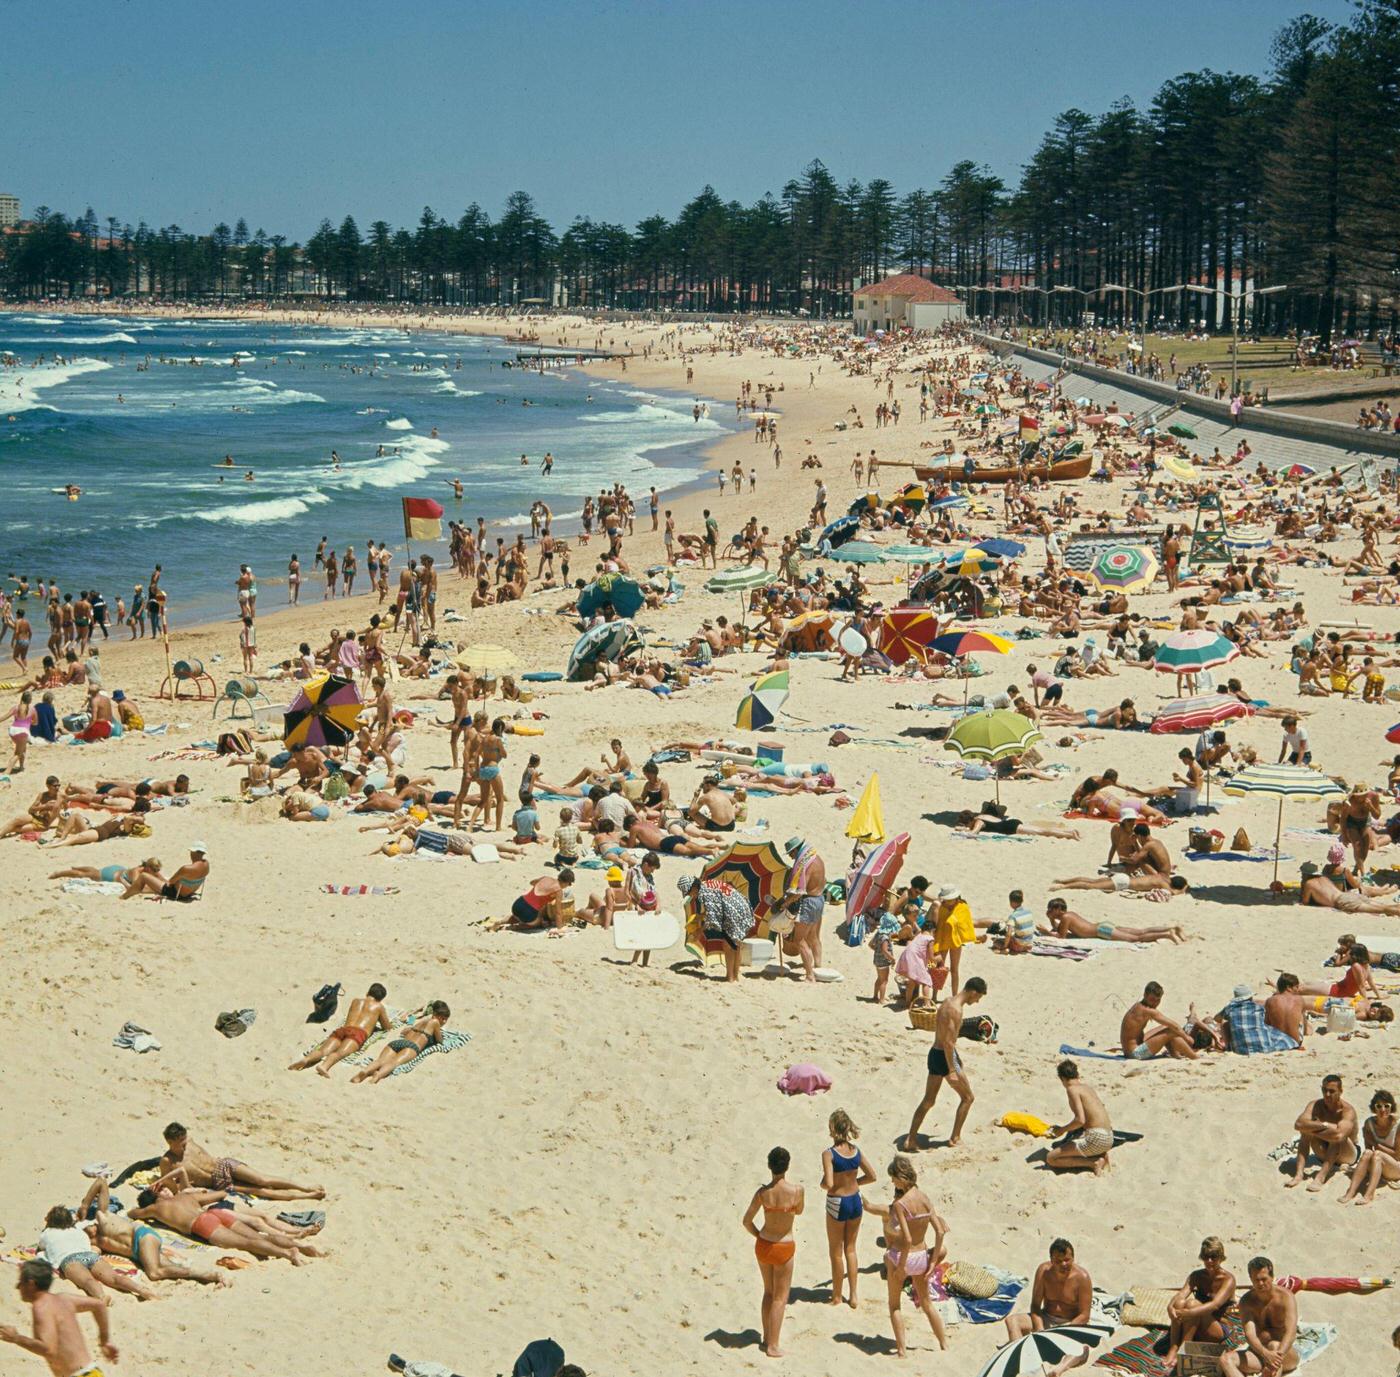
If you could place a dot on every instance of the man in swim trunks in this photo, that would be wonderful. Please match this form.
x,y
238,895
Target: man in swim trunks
x,y
1146,883
1061,1294
1142,1045
1270,1316
413,1040
1320,892
47,805
204,1214
226,1172
119,1235
1327,1128
366,1014
57,1338
712,809
672,841
1090,1121
1068,923
945,1064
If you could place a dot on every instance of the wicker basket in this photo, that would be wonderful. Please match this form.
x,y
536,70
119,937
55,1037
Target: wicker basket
x,y
923,1019
1148,1307
967,1279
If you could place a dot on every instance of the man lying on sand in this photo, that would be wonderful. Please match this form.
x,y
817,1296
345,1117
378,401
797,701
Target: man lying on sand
x,y
366,1014
206,1215
119,1235
1068,923
411,1042
1149,881
226,1173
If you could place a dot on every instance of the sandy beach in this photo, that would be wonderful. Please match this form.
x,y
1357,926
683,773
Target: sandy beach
x,y
579,1169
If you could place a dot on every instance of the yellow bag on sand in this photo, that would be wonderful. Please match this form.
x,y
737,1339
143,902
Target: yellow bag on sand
x,y
1026,1123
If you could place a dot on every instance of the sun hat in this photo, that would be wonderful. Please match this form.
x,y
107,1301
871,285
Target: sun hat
x,y
1243,992
794,845
950,892
614,875
1336,853
119,697
199,847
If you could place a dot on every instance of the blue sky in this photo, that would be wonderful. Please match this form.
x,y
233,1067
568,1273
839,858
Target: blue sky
x,y
193,112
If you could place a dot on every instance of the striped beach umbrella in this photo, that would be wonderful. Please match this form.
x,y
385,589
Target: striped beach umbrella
x,y
1299,471
840,531
606,641
969,563
912,496
858,552
740,580
1045,1348
761,704
906,634
756,870
1189,652
1282,782
1129,568
876,876
1393,735
952,500
325,713
1001,549
867,502
910,554
1179,468
1199,713
965,641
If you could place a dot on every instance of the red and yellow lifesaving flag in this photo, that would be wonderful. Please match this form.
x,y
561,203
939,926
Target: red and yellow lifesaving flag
x,y
422,518
1030,426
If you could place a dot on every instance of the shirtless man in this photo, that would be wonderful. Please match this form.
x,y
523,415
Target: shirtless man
x,y
1147,855
1319,891
1068,923
366,1014
1090,1120
1284,1008
310,765
412,1041
1147,882
1270,1316
47,805
226,1172
781,1202
1061,1294
670,841
427,589
459,687
1327,1127
1142,1045
122,1237
57,1338
712,809
945,1064
204,1214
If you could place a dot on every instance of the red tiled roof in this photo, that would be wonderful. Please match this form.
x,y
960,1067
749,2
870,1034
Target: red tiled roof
x,y
910,286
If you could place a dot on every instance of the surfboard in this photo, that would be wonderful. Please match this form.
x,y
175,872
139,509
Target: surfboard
x,y
645,931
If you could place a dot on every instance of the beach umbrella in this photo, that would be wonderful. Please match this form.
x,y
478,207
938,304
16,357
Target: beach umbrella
x,y
1393,735
1299,471
910,554
740,580
914,496
1115,419
869,502
1130,568
1189,652
1282,782
876,876
906,633
859,552
1186,433
840,530
762,703
325,713
987,409
1179,468
1045,1347
1000,549
606,641
1199,713
1094,418
757,870
991,736
867,823
967,641
952,500
484,655
1075,447
1082,401
969,564
811,631
623,593
1335,1286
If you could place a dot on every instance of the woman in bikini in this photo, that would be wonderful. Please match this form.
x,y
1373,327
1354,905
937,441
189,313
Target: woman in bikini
x,y
844,1171
908,1220
412,1041
1380,1158
781,1203
293,580
123,875
491,752
1197,1311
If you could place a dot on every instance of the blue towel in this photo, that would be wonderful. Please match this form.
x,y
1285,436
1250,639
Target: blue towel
x,y
1067,1051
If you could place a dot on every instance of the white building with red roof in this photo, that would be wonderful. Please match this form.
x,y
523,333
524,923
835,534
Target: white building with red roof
x,y
903,300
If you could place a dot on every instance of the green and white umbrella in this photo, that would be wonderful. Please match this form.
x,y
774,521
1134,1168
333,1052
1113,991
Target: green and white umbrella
x,y
740,580
992,736
1126,567
1282,782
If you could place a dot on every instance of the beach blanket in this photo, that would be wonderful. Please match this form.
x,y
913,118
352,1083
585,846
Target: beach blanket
x,y
1259,853
81,886
987,836
358,891
1140,1355
1067,1051
451,1041
1043,946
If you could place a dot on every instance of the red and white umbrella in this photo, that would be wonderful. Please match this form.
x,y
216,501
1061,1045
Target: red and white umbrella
x,y
1196,714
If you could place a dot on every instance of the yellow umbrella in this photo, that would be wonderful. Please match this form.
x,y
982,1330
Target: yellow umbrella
x,y
486,656
1180,468
867,823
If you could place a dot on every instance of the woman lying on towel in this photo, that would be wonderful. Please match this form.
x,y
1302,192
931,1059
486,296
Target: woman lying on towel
x,y
412,1042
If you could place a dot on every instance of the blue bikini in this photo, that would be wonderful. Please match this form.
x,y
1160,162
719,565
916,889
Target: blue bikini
x,y
844,1207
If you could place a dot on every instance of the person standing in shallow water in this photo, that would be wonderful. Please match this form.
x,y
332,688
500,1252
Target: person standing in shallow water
x,y
781,1202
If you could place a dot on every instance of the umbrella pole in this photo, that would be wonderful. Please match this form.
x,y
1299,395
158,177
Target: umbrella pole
x,y
1278,837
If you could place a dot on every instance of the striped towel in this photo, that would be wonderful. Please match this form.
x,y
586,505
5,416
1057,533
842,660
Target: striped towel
x,y
359,891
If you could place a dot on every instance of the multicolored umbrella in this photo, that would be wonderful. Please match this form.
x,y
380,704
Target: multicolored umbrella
x,y
624,594
876,876
811,631
867,823
1393,735
993,735
1189,652
970,642
606,641
969,564
761,704
1126,567
1045,1348
906,634
868,502
325,713
1282,782
1299,471
840,531
952,500
1199,713
757,870
914,496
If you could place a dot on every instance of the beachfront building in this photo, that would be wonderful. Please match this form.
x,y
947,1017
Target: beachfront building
x,y
905,299
9,211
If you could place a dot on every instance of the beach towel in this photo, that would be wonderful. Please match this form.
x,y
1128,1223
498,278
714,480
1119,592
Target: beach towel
x,y
999,1305
1258,853
451,1042
80,886
359,891
987,836
1139,1355
1067,1051
1044,947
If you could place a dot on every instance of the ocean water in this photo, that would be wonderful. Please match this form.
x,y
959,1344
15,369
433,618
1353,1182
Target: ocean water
x,y
139,411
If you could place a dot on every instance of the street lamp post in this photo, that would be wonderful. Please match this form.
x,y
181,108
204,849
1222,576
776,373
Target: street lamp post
x,y
1237,298
1145,295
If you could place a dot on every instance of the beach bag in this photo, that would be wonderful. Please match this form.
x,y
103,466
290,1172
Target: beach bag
x,y
1205,839
1148,1307
977,1028
1241,841
234,743
1341,1018
856,930
967,1279
335,788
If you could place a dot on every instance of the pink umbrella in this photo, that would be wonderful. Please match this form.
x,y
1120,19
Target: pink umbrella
x,y
876,875
1335,1286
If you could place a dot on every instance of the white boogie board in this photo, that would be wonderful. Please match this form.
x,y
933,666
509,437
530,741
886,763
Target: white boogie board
x,y
645,931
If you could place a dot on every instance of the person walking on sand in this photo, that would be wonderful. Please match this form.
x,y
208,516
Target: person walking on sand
x,y
57,1339
844,1171
1090,1120
945,1064
367,1013
781,1202
911,1254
